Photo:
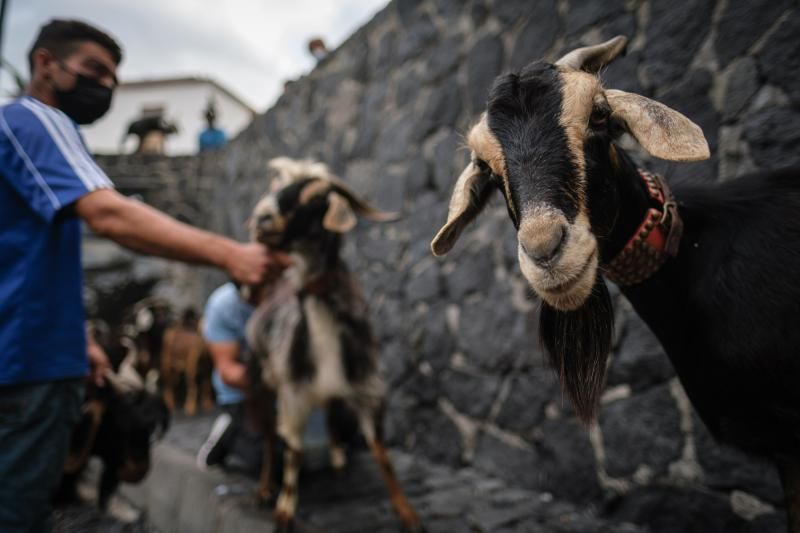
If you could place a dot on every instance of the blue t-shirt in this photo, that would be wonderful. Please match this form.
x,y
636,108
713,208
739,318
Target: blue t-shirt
x,y
224,320
44,168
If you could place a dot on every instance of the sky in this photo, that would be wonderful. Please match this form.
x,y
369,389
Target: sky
x,y
249,46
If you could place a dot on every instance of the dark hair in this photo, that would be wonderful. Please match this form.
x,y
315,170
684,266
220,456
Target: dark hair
x,y
61,37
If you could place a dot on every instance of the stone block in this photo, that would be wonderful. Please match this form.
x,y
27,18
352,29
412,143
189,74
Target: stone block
x,y
672,509
741,24
484,63
673,38
537,35
641,430
779,57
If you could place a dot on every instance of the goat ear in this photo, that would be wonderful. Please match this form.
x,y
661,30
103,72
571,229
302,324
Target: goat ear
x,y
339,217
470,195
662,131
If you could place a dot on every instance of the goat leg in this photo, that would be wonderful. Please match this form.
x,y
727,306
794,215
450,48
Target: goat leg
x,y
264,492
400,503
207,402
190,404
108,484
167,385
790,478
338,457
287,500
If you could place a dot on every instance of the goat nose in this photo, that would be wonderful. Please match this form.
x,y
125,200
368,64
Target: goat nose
x,y
545,246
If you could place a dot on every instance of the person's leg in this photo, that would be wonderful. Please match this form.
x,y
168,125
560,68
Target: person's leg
x,y
36,421
221,437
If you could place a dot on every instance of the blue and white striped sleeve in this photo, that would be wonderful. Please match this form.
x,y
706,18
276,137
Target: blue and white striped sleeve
x,y
44,157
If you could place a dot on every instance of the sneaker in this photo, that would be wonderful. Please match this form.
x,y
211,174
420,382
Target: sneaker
x,y
214,449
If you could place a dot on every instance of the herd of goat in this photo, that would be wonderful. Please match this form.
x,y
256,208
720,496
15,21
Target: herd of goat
x,y
709,268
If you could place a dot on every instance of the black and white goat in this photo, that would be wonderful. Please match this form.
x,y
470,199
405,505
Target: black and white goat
x,y
118,424
712,270
312,334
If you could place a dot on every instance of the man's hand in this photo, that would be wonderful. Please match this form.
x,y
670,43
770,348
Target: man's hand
x,y
98,362
253,264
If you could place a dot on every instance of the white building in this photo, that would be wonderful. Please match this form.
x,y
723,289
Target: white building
x,y
183,102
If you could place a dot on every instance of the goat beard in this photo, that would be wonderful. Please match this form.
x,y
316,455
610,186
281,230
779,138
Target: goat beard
x,y
578,343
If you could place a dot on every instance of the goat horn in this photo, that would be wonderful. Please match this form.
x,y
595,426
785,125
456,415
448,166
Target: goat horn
x,y
360,206
593,58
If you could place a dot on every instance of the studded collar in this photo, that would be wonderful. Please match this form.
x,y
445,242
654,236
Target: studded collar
x,y
656,240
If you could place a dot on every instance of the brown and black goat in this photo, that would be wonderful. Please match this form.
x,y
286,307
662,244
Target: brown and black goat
x,y
184,353
118,424
312,334
145,323
712,270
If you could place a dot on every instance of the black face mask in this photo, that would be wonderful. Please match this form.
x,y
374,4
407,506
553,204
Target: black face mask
x,y
87,101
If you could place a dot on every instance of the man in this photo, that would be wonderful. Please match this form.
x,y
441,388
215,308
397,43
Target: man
x,y
317,48
231,441
48,184
224,320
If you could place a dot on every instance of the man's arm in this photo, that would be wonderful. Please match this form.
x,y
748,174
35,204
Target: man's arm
x,y
226,360
144,229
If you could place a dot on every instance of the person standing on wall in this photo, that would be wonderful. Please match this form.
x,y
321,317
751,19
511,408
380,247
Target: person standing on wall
x,y
49,183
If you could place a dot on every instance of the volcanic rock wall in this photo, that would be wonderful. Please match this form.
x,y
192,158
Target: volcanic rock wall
x,y
387,111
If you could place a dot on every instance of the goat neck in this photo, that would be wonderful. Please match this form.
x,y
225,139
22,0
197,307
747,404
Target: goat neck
x,y
314,263
659,296
631,256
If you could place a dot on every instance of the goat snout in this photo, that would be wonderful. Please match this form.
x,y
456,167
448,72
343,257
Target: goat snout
x,y
543,242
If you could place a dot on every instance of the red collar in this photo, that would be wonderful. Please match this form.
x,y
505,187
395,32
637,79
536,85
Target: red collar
x,y
656,240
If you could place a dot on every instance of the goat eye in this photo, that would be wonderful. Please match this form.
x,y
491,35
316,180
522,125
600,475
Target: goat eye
x,y
599,118
481,164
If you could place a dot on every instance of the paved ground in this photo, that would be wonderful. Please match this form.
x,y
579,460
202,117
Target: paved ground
x,y
87,518
450,501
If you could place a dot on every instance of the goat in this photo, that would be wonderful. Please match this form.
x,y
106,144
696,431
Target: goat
x,y
183,351
312,334
712,270
146,322
118,424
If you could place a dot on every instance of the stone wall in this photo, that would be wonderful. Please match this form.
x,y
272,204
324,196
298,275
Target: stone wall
x,y
468,384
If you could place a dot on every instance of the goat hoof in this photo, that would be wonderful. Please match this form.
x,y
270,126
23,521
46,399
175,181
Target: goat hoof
x,y
415,528
338,459
412,524
262,500
283,522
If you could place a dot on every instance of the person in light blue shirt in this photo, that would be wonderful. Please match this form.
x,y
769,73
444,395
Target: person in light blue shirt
x,y
224,322
225,318
231,441
49,184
